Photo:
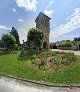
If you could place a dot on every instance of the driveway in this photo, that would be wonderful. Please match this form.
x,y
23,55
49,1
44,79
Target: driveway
x,y
75,52
12,85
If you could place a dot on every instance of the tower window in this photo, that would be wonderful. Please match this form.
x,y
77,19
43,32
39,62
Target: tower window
x,y
45,18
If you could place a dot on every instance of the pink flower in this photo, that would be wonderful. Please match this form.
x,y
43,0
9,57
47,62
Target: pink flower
x,y
42,59
62,55
50,58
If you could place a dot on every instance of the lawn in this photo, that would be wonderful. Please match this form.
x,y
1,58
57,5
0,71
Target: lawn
x,y
9,64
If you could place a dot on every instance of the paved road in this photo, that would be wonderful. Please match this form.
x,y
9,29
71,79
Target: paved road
x,y
11,85
75,52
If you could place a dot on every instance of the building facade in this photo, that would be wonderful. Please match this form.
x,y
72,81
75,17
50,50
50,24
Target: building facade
x,y
43,23
77,45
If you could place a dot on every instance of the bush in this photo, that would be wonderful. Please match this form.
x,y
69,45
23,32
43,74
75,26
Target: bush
x,y
8,41
65,44
35,38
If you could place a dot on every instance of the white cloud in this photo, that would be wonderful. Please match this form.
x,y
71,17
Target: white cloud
x,y
20,20
48,13
14,10
52,26
25,26
50,3
4,27
72,24
77,10
4,30
29,5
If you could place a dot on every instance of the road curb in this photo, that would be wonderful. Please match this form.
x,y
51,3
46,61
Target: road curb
x,y
40,83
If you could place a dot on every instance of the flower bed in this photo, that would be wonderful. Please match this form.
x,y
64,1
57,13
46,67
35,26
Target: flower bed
x,y
50,59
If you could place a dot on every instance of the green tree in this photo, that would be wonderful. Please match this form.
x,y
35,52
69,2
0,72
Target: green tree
x,y
77,39
8,41
65,44
15,34
35,37
1,43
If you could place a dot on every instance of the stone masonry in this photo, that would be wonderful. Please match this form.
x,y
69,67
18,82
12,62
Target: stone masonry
x,y
43,23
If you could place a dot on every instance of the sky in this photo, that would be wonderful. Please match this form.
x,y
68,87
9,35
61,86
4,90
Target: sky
x,y
21,14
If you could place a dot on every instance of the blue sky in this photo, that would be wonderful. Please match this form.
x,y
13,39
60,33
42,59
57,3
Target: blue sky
x,y
21,14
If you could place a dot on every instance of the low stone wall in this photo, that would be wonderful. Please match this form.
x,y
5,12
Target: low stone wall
x,y
3,49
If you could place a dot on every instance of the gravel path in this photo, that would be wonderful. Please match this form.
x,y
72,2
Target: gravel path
x,y
11,85
75,52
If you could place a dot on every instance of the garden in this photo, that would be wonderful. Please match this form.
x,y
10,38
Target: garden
x,y
33,62
44,66
52,60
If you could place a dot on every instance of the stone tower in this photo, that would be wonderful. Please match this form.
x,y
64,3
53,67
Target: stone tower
x,y
43,23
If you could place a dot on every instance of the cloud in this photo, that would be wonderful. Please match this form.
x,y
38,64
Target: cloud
x,y
77,10
4,27
73,22
50,3
14,10
29,5
20,20
4,30
48,13
25,26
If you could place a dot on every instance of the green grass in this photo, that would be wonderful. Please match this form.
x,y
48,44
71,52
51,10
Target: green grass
x,y
9,64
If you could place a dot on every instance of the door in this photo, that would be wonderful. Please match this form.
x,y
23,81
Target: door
x,y
45,45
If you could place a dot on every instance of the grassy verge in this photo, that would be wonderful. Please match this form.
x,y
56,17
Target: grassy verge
x,y
9,64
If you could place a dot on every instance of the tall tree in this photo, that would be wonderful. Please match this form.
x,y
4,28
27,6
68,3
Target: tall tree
x,y
35,37
15,34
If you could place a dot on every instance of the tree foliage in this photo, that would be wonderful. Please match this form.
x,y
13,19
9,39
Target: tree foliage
x,y
15,34
1,43
65,44
8,41
35,37
77,39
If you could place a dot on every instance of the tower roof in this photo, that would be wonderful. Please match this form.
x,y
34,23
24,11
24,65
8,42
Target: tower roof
x,y
42,14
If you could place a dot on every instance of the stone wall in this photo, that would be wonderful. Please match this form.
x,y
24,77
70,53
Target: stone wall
x,y
43,23
77,45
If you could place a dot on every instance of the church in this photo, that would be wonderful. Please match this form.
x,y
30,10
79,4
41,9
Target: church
x,y
43,23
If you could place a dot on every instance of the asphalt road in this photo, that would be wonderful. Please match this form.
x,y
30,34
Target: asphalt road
x,y
11,85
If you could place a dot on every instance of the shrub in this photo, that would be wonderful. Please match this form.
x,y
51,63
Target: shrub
x,y
9,41
35,38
